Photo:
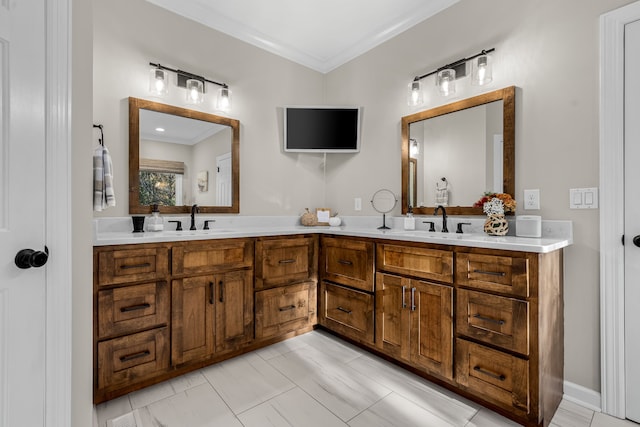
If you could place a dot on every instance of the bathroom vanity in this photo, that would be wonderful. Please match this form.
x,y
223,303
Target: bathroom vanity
x,y
480,315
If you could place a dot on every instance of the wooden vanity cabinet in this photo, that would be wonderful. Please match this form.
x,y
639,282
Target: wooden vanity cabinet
x,y
346,298
286,285
509,331
211,313
131,317
414,317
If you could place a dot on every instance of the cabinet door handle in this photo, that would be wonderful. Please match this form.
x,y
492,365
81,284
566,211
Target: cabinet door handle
x,y
344,262
134,307
221,284
130,357
287,308
413,299
287,261
142,265
489,319
404,302
344,310
489,374
490,273
211,293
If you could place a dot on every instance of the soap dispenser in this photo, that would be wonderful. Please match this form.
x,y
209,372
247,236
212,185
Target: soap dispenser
x,y
409,220
156,223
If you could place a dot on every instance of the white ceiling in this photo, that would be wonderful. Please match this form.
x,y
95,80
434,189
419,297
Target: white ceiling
x,y
177,130
320,34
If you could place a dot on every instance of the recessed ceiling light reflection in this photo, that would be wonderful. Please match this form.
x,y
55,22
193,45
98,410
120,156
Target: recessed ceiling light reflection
x,y
159,129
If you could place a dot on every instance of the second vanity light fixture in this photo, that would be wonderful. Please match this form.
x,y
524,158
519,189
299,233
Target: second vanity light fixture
x,y
447,75
193,83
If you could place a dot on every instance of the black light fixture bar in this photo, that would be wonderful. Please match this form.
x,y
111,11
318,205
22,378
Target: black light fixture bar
x,y
187,75
454,64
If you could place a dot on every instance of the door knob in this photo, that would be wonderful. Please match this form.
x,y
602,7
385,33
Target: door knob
x,y
636,241
28,258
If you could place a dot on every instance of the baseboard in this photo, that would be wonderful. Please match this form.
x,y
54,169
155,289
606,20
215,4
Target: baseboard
x,y
582,396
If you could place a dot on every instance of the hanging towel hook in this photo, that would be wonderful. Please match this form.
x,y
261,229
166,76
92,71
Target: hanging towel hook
x,y
101,139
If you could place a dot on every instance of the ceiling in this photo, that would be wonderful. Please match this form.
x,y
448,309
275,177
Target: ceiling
x,y
319,34
175,129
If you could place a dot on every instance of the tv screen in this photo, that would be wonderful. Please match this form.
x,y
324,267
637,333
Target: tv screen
x,y
322,129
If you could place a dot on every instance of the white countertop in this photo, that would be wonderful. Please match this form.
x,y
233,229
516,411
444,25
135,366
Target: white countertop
x,y
118,231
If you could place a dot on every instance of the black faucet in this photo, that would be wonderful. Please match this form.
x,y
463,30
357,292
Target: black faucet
x,y
444,217
194,209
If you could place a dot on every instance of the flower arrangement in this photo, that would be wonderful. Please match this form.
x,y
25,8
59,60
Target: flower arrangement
x,y
496,203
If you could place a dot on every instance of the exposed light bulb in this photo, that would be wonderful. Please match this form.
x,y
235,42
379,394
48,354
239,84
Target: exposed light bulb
x,y
447,81
195,91
481,71
158,82
223,102
415,94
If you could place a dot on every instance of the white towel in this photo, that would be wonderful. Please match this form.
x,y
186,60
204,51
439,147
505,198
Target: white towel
x,y
103,195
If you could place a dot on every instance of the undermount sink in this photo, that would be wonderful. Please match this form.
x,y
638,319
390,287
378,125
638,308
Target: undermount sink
x,y
196,232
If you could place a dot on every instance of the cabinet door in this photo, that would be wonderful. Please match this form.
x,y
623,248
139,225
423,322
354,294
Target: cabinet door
x,y
431,337
233,309
392,315
192,318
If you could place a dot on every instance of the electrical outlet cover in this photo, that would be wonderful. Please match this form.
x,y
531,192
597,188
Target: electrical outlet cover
x,y
532,199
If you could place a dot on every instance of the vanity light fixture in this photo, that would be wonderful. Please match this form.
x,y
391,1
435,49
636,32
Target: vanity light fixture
x,y
414,148
447,75
194,84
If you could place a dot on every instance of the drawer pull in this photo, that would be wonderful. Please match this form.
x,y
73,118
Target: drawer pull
x,y
489,374
344,310
491,273
143,265
287,261
344,262
130,357
287,308
134,307
489,319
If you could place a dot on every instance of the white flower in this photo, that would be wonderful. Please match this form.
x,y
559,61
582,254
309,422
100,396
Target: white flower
x,y
493,207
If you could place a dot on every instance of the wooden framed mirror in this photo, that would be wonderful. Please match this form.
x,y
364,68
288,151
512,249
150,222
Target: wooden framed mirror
x,y
470,143
180,157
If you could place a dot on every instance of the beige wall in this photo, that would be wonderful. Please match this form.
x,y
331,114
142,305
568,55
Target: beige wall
x,y
548,49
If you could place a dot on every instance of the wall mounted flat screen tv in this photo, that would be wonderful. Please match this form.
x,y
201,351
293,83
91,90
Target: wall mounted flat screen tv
x,y
322,129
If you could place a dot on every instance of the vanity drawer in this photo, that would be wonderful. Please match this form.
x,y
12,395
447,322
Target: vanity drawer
x,y
132,308
347,311
504,274
493,319
133,358
414,261
285,309
348,262
287,260
211,256
132,265
497,377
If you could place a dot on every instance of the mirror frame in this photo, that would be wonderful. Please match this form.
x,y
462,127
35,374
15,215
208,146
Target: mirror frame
x,y
135,105
507,95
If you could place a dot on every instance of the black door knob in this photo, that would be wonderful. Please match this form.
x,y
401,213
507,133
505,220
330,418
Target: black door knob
x,y
28,258
636,241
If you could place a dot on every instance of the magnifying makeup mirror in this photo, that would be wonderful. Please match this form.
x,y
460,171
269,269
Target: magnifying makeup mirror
x,y
383,201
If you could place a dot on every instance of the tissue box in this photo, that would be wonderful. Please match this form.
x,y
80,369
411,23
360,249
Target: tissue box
x,y
528,226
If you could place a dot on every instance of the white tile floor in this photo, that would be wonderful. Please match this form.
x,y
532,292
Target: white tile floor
x,y
313,380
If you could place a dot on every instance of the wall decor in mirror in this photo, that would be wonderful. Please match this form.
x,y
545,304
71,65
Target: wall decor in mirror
x,y
454,153
180,157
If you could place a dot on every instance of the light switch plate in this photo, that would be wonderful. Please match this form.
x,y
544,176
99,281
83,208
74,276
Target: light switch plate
x,y
583,198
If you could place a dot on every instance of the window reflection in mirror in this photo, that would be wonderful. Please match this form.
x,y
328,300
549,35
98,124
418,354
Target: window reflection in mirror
x,y
181,157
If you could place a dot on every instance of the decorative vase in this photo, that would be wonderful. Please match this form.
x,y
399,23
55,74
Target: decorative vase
x,y
496,225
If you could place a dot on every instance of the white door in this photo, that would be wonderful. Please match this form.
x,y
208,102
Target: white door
x,y
632,219
22,213
223,180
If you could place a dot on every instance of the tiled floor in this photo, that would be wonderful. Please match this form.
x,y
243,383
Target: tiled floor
x,y
313,380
